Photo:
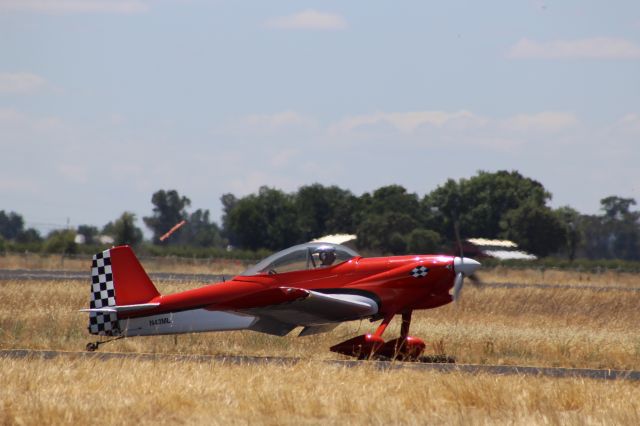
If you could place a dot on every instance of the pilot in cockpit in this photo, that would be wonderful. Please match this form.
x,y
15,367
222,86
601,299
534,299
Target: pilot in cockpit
x,y
326,255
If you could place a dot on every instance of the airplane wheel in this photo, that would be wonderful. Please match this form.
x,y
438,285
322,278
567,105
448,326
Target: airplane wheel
x,y
91,346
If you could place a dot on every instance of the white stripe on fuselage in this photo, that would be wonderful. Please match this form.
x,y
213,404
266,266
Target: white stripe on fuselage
x,y
192,321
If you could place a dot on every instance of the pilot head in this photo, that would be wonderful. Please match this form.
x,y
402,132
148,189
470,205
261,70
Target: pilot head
x,y
327,255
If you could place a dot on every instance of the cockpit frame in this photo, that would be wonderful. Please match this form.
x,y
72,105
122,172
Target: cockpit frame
x,y
300,257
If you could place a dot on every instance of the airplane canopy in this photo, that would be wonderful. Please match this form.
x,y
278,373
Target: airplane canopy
x,y
302,257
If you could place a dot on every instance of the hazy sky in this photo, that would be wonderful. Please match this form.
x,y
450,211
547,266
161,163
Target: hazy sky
x,y
103,102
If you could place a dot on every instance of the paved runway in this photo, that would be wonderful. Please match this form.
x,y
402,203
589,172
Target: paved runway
x,y
30,275
382,365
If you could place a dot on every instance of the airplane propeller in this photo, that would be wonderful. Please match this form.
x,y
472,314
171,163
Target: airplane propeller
x,y
457,286
463,267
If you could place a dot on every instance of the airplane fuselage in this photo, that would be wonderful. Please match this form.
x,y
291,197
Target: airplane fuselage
x,y
392,284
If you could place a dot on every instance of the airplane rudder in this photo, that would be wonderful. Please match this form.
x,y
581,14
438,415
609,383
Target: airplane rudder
x,y
131,282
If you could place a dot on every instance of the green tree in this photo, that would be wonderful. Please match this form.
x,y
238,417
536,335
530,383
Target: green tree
x,y
266,220
393,198
534,228
245,226
595,237
61,241
479,203
229,202
325,210
423,241
11,225
570,219
613,235
169,210
90,233
618,208
621,227
29,235
380,232
396,243
442,208
124,230
389,214
199,231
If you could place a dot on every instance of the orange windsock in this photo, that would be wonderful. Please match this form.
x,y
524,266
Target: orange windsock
x,y
172,230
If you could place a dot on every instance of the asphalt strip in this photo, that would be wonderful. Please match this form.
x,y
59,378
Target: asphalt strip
x,y
557,372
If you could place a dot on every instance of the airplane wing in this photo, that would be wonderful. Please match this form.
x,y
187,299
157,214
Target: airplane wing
x,y
294,307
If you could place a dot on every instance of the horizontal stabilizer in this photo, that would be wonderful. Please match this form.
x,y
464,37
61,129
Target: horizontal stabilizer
x,y
123,308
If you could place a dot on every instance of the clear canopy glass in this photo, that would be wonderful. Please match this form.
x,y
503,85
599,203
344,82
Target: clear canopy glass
x,y
302,257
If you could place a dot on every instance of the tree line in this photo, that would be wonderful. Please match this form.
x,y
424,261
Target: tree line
x,y
389,220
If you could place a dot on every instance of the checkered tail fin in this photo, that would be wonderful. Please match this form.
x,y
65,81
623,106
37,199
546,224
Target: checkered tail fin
x,y
117,278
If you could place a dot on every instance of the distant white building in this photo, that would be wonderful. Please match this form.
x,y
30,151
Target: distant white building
x,y
498,249
106,239
102,239
335,239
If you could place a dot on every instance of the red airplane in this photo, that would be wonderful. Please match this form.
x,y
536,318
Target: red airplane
x,y
314,285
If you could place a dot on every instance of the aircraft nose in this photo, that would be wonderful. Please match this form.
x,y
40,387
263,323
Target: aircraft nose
x,y
465,265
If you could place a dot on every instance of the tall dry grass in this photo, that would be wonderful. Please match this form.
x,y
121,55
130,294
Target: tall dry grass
x,y
605,278
44,261
162,392
545,327
52,262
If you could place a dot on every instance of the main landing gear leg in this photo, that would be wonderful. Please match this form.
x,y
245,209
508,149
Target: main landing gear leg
x,y
404,348
406,323
383,325
366,345
93,346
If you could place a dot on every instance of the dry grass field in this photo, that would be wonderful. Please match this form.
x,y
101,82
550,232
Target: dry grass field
x,y
156,392
543,327
562,277
568,327
153,264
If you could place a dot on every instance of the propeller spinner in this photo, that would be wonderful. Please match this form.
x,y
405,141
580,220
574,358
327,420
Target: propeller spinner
x,y
463,267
